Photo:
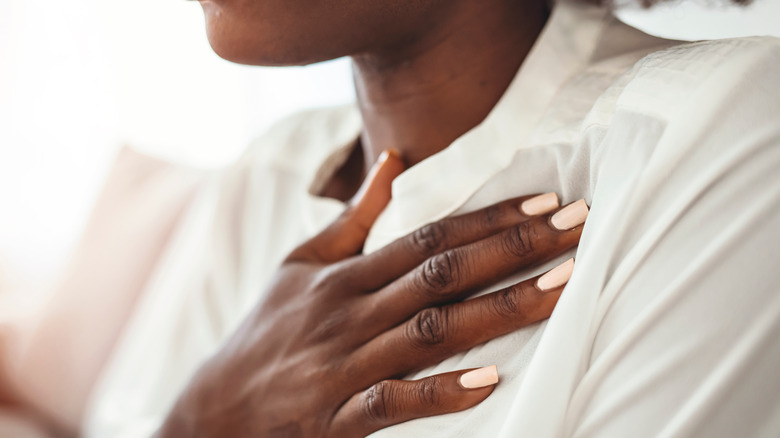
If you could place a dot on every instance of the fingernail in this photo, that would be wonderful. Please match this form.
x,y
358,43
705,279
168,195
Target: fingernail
x,y
479,378
556,277
372,174
379,161
384,156
387,153
540,204
571,216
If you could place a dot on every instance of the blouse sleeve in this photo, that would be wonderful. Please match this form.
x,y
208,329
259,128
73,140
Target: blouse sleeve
x,y
686,310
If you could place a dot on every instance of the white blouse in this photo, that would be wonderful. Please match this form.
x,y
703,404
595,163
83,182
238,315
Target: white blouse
x,y
669,323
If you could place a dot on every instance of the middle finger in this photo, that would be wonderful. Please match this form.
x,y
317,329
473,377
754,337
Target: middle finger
x,y
376,270
437,333
459,272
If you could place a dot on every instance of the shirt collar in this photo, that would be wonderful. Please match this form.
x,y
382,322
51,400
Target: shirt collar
x,y
438,185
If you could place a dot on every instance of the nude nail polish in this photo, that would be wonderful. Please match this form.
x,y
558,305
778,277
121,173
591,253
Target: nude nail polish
x,y
540,204
479,378
387,153
570,216
556,277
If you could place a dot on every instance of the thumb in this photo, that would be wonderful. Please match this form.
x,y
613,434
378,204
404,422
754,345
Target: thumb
x,y
346,235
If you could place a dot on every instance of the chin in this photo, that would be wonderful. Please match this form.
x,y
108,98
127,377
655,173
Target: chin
x,y
240,52
269,47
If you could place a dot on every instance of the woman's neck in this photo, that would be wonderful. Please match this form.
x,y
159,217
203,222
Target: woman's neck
x,y
420,96
418,99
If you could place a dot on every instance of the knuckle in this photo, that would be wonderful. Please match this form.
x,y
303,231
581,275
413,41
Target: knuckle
x,y
507,302
429,391
332,325
495,215
428,328
429,239
300,254
350,217
520,240
329,278
438,273
377,402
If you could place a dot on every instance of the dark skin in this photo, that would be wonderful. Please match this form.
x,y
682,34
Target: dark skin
x,y
419,100
421,97
323,354
425,72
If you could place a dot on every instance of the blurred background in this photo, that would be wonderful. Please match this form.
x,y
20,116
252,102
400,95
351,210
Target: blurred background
x,y
80,79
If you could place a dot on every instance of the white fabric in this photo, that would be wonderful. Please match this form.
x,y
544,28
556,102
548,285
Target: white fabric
x,y
666,326
695,20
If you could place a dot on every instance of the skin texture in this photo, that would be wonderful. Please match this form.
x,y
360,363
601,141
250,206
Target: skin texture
x,y
425,71
321,357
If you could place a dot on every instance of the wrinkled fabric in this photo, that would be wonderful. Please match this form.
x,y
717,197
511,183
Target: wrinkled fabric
x,y
666,327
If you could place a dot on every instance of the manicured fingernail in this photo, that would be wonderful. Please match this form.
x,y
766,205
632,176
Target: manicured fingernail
x,y
556,277
380,161
387,153
540,204
480,378
570,216
376,168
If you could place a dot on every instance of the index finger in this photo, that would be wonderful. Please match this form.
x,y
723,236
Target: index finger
x,y
378,269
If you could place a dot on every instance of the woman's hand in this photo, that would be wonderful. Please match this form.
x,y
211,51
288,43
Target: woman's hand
x,y
318,357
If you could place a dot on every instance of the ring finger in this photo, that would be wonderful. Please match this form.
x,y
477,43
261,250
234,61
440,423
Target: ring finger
x,y
437,333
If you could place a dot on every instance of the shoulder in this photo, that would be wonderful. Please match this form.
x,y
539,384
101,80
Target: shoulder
x,y
699,103
693,56
693,81
669,81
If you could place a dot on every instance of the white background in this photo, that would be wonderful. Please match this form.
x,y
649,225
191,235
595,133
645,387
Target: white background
x,y
79,78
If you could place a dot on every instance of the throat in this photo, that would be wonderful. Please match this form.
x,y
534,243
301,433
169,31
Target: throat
x,y
420,97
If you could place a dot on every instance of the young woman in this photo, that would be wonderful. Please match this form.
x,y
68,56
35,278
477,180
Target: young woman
x,y
494,111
